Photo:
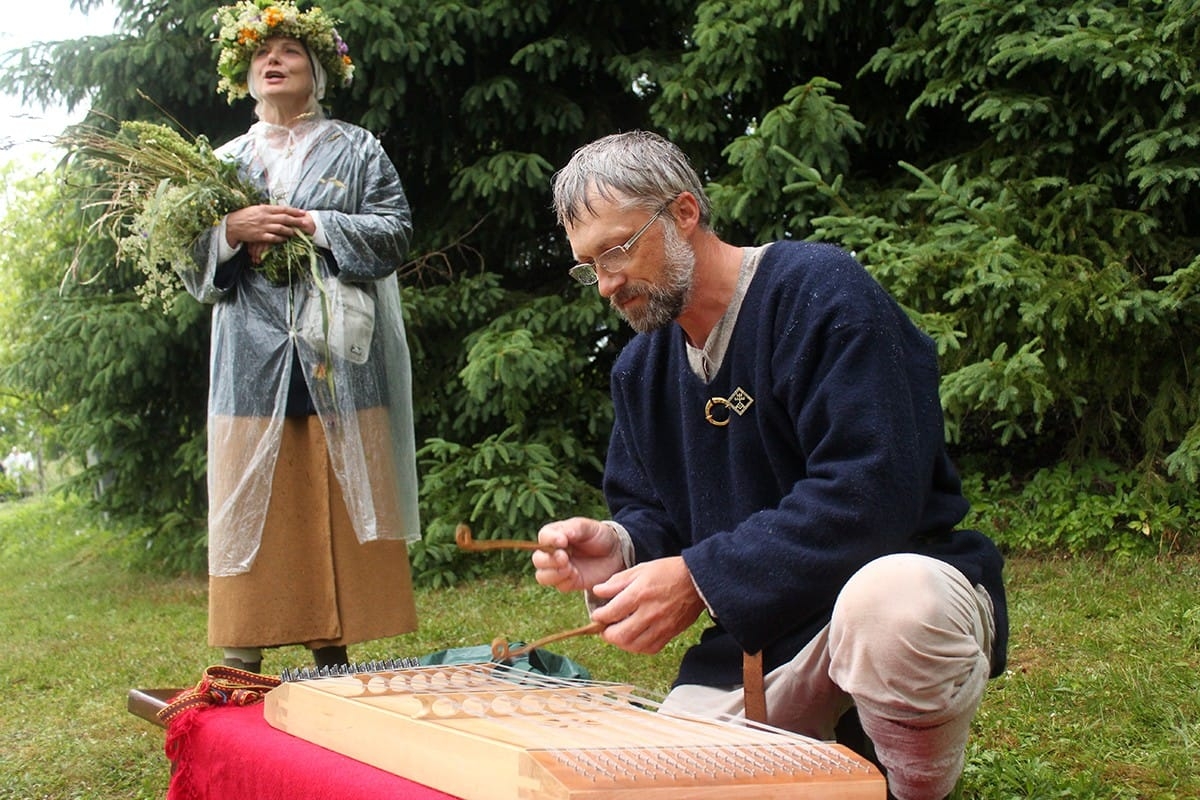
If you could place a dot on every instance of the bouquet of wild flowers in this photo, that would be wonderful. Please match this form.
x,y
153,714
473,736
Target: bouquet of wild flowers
x,y
158,192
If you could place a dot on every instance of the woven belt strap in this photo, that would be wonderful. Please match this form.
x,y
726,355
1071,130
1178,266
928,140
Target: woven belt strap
x,y
220,686
755,695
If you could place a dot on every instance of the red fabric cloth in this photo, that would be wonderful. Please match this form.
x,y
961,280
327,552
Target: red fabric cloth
x,y
222,752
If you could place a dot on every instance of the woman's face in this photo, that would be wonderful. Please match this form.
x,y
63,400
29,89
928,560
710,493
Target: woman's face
x,y
281,70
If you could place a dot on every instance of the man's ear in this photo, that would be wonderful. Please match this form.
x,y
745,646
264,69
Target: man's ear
x,y
686,211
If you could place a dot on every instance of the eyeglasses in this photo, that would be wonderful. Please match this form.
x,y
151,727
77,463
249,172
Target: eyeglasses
x,y
614,259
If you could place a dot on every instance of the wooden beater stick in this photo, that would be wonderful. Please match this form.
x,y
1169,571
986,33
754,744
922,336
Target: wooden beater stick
x,y
501,651
464,540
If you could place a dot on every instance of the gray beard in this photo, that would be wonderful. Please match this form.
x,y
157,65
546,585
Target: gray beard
x,y
666,300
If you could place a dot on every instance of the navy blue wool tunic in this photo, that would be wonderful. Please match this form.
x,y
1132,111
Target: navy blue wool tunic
x,y
833,457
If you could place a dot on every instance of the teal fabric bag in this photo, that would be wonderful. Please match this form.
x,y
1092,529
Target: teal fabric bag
x,y
538,661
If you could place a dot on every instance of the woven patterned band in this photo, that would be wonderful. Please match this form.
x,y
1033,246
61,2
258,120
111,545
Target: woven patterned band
x,y
220,686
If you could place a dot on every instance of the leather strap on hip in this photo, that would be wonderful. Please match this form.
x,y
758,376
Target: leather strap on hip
x,y
752,687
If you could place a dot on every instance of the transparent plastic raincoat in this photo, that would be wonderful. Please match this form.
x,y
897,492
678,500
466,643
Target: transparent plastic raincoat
x,y
341,173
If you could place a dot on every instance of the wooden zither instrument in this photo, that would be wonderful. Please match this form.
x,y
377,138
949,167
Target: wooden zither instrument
x,y
491,732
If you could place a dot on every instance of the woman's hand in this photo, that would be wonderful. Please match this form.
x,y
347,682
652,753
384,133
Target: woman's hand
x,y
259,227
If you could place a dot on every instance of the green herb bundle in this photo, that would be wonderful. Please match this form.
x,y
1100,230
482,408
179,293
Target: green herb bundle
x,y
158,192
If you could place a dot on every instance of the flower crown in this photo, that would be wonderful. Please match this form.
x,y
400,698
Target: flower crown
x,y
247,24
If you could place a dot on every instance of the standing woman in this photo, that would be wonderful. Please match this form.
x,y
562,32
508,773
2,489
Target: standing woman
x,y
311,456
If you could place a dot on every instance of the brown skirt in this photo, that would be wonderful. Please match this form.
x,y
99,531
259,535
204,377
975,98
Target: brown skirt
x,y
312,583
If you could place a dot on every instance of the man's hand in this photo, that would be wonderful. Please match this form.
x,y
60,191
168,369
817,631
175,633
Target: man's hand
x,y
647,605
587,552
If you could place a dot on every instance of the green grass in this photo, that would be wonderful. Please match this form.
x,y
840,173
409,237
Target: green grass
x,y
1102,698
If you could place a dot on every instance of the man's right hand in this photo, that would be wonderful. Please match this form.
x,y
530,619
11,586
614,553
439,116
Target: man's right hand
x,y
586,552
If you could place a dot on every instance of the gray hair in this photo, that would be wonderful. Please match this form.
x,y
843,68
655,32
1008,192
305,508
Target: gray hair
x,y
634,169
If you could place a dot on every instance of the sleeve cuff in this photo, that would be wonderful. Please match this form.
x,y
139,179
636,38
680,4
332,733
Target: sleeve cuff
x,y
319,238
626,542
225,251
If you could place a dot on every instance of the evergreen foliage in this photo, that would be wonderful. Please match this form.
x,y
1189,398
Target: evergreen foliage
x,y
119,390
1022,177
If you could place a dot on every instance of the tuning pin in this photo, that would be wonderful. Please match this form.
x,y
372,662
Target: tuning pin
x,y
292,674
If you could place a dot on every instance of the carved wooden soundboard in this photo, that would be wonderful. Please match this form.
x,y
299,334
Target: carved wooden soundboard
x,y
486,732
